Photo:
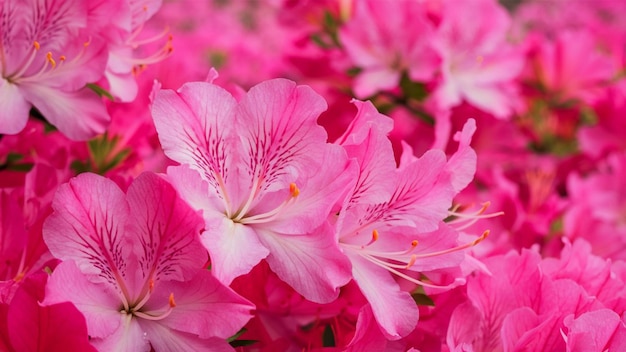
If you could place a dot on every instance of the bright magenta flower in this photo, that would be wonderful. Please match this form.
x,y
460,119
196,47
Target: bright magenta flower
x,y
263,175
47,56
133,265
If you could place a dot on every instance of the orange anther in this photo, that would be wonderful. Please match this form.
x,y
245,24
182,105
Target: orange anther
x,y
172,302
293,189
36,45
375,235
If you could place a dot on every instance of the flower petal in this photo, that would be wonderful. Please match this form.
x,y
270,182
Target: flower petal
x,y
98,302
280,139
312,264
195,127
14,109
167,228
204,306
163,338
88,225
234,248
395,310
79,115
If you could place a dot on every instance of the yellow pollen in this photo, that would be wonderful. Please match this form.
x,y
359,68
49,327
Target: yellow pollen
x,y
375,235
172,302
294,190
50,59
36,45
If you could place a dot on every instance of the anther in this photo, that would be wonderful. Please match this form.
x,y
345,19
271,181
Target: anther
x,y
481,238
172,302
151,285
50,59
293,189
36,45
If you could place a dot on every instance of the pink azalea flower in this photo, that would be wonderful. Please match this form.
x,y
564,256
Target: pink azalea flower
x,y
263,175
391,221
133,265
478,65
572,66
596,211
47,56
386,39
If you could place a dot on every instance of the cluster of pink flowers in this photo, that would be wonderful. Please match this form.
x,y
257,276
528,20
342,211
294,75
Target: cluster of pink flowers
x,y
361,175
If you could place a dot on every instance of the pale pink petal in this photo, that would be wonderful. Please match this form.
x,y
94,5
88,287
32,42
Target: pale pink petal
x,y
88,226
372,81
376,177
280,139
204,307
14,109
122,86
195,191
462,164
311,208
167,228
312,264
98,302
79,115
234,249
128,337
395,310
496,99
162,338
196,127
367,117
422,197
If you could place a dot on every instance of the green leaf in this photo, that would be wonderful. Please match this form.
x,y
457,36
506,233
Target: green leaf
x,y
421,299
413,90
237,334
100,91
328,337
242,343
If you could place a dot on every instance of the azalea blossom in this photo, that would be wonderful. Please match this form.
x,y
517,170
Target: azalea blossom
x,y
264,177
387,39
133,265
391,221
47,56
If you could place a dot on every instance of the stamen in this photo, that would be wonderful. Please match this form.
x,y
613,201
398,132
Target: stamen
x,y
467,220
172,302
26,64
294,191
51,60
375,236
151,285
